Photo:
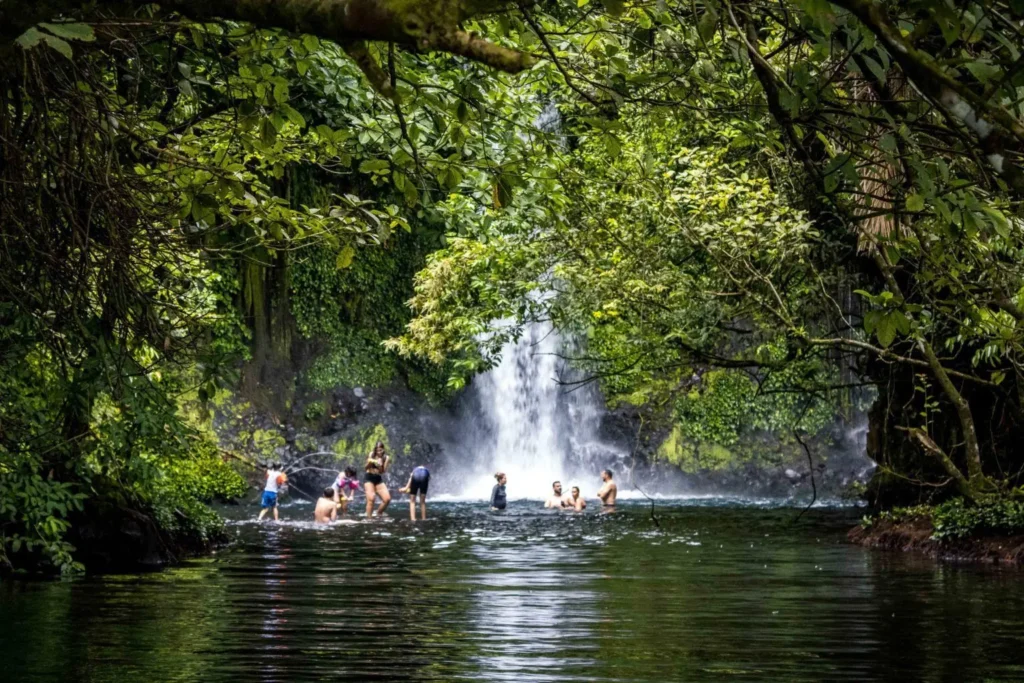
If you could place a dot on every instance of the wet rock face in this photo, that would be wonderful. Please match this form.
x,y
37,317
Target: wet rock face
x,y
320,436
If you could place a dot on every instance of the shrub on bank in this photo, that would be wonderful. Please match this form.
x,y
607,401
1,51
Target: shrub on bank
x,y
959,518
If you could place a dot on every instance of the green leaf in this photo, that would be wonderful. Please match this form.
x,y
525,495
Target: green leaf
x,y
293,115
915,202
503,190
614,7
74,31
29,38
708,24
875,68
345,257
834,169
901,321
59,45
268,134
612,145
999,221
374,166
983,71
886,330
871,319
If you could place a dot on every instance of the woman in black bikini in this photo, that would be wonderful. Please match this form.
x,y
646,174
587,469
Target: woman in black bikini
x,y
376,467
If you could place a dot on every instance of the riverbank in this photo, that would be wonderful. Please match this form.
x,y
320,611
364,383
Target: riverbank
x,y
918,534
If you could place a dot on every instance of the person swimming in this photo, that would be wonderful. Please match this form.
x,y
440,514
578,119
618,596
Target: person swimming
x,y
345,487
418,483
326,509
377,464
498,499
557,499
608,490
578,503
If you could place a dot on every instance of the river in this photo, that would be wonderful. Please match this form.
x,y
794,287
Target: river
x,y
718,591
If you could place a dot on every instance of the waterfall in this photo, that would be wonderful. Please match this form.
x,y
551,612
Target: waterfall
x,y
520,420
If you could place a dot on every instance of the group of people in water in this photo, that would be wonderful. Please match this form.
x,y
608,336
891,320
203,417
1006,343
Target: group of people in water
x,y
343,491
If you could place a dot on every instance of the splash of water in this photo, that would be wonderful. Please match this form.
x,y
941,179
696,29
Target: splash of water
x,y
525,421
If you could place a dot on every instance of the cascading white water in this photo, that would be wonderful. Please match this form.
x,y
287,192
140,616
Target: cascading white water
x,y
528,425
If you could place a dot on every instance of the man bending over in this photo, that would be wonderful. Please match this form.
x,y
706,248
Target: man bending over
x,y
419,482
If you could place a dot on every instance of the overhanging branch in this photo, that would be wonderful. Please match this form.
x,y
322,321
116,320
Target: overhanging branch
x,y
428,25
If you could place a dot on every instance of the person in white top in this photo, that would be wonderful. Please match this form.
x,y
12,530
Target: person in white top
x,y
276,479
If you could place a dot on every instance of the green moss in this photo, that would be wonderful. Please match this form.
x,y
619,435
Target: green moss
x,y
266,441
314,411
342,450
355,449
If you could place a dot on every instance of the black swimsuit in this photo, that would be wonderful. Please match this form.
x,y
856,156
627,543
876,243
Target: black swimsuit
x,y
376,478
498,499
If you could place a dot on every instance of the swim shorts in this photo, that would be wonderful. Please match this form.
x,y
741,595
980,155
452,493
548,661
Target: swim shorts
x,y
374,479
419,484
269,500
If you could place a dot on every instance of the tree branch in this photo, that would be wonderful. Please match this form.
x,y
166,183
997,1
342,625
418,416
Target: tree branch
x,y
428,25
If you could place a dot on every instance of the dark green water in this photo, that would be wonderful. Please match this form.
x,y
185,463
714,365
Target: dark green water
x,y
717,593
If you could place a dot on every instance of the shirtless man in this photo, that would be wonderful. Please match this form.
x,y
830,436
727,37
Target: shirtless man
x,y
557,500
578,503
326,509
608,490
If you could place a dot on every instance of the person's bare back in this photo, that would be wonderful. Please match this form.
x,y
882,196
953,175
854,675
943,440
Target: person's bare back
x,y
608,490
326,509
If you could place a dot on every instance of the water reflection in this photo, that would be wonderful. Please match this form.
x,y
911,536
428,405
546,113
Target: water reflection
x,y
532,612
717,592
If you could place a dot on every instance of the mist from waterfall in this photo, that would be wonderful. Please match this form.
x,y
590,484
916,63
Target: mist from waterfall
x,y
519,419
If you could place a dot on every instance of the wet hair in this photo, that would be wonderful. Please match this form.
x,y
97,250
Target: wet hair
x,y
350,472
380,445
499,475
556,481
328,492
275,466
608,472
576,489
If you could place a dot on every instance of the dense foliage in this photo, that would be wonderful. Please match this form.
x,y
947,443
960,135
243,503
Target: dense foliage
x,y
745,212
957,518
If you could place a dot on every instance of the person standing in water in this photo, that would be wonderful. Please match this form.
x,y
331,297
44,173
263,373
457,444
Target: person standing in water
x,y
498,499
418,482
608,489
578,503
345,487
326,509
557,499
276,478
376,467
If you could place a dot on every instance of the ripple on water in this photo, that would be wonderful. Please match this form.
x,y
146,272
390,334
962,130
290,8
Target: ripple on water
x,y
716,592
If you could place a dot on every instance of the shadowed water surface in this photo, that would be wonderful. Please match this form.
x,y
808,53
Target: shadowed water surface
x,y
718,592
